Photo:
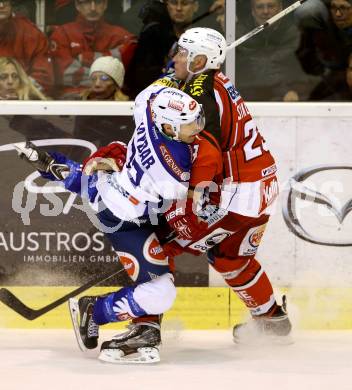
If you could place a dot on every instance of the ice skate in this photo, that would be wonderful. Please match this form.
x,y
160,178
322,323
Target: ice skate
x,y
86,330
272,329
41,160
139,345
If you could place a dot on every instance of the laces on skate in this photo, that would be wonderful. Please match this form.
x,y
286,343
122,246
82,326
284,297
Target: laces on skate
x,y
138,345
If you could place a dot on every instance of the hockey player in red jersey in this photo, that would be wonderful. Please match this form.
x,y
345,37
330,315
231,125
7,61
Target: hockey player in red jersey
x,y
248,190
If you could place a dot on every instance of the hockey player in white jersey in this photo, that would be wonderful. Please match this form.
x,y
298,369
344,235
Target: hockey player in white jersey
x,y
127,202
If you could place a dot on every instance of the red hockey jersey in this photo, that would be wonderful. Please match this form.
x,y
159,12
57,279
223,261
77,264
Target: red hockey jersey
x,y
248,167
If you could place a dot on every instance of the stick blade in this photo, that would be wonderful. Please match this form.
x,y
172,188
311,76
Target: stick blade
x,y
11,301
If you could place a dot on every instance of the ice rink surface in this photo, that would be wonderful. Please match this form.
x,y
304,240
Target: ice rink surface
x,y
50,360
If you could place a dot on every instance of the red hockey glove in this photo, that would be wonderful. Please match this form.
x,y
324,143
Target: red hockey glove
x,y
173,249
185,223
108,158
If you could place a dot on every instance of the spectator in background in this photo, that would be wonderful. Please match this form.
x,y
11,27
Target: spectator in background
x,y
74,46
219,8
15,84
324,51
313,14
22,40
266,66
106,76
154,43
64,11
131,21
181,13
163,22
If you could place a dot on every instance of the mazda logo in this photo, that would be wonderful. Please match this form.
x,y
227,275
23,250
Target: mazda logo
x,y
298,190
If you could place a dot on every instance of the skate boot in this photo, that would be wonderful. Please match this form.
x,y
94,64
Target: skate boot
x,y
41,160
139,344
272,328
86,330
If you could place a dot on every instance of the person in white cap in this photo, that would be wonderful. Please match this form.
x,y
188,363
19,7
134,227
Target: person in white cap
x,y
106,76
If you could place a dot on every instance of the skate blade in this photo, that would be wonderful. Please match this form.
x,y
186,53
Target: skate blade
x,y
21,148
74,312
144,355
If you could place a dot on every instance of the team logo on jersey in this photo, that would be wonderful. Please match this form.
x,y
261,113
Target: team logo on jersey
x,y
153,251
130,264
304,205
176,105
251,241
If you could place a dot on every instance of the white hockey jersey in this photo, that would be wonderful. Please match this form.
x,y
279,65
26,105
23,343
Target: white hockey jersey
x,y
156,168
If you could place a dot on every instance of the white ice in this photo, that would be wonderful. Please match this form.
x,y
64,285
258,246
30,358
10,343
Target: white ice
x,y
50,360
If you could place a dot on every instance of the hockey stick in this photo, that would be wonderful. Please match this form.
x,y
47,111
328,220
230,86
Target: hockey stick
x,y
263,26
10,300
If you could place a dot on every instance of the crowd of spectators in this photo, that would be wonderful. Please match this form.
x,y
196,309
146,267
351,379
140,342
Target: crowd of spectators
x,y
112,49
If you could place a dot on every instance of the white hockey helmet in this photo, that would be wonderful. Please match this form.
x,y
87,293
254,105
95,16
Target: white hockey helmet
x,y
174,107
204,41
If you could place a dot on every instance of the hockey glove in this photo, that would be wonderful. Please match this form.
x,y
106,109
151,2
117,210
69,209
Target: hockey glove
x,y
107,158
173,249
42,161
184,222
